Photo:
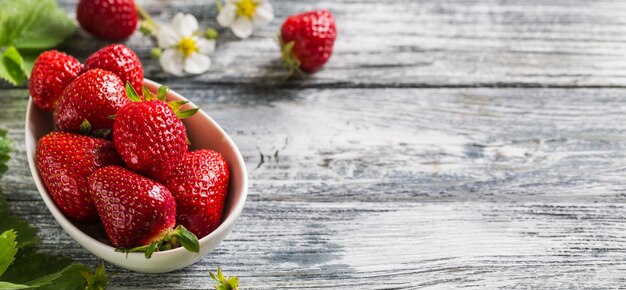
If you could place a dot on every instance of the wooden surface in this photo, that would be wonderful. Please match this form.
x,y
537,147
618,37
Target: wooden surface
x,y
474,144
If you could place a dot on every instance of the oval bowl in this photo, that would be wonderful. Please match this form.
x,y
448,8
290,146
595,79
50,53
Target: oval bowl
x,y
204,133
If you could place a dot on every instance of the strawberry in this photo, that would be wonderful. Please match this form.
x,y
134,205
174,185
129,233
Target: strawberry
x,y
93,96
64,161
120,60
307,40
137,212
108,19
148,134
200,184
52,72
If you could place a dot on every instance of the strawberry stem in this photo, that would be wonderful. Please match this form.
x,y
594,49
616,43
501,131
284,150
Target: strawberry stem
x,y
218,3
97,280
289,60
173,238
148,26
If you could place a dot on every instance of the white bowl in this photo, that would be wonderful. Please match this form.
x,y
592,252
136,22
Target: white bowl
x,y
204,133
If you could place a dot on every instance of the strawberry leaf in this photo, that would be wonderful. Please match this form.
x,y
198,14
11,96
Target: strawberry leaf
x,y
12,67
186,113
5,152
147,94
33,24
131,93
162,92
187,239
85,127
9,249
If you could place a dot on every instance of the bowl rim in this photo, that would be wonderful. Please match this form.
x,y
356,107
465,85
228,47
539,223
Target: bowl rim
x,y
72,230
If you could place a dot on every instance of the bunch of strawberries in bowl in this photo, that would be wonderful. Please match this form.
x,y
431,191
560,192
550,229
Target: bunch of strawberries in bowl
x,y
120,155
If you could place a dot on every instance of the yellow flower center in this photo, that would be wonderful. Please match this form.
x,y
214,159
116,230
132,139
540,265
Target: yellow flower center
x,y
187,46
246,8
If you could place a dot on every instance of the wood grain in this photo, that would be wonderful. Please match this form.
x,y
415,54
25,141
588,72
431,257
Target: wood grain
x,y
510,188
474,144
407,43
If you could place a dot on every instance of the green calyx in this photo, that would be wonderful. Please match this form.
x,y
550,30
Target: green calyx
x,y
97,280
85,129
161,95
174,238
224,283
291,62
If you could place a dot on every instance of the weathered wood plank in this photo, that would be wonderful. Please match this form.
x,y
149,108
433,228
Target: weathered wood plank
x,y
356,245
408,144
420,44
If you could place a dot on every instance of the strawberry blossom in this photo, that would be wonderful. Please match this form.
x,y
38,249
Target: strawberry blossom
x,y
183,50
242,16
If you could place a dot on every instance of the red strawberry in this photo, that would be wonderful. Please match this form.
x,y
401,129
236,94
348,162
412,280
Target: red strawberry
x,y
200,185
307,40
120,60
108,19
52,72
149,136
64,161
93,96
137,212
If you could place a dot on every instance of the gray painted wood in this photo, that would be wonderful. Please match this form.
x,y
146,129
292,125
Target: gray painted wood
x,y
427,153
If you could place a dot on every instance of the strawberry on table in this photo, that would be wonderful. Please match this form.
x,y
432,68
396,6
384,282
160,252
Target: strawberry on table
x,y
52,72
200,185
108,19
307,40
138,214
120,60
149,135
64,161
93,96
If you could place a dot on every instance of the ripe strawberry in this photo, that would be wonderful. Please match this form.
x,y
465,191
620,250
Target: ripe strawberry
x,y
149,136
108,19
120,60
307,40
93,96
200,185
52,72
137,212
64,161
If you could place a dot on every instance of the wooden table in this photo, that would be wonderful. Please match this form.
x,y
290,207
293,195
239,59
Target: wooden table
x,y
447,143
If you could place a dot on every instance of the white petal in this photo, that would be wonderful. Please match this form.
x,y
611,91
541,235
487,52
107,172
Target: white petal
x,y
197,63
172,61
185,24
205,46
227,15
242,27
167,37
264,14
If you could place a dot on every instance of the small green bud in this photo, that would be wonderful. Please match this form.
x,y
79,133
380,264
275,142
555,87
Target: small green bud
x,y
146,28
155,52
211,33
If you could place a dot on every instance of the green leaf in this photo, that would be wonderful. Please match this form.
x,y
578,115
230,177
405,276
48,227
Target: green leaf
x,y
12,66
8,249
186,113
175,105
30,265
131,93
85,127
25,233
9,286
162,92
147,94
187,239
33,24
6,147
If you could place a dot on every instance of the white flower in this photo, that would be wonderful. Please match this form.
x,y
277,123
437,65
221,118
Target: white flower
x,y
183,50
243,15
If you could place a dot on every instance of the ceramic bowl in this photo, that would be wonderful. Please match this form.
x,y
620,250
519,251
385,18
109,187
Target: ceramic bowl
x,y
204,133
